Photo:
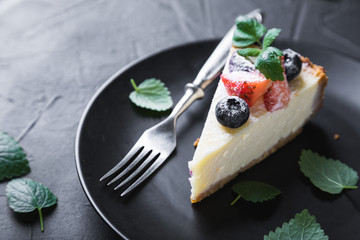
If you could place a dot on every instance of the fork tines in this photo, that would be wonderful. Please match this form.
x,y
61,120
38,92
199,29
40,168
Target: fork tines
x,y
134,165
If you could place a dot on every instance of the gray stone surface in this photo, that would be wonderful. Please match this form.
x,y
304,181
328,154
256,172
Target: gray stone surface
x,y
55,54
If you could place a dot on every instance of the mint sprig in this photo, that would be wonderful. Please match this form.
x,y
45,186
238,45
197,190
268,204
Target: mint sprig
x,y
269,64
25,195
303,226
248,31
270,36
151,94
13,162
329,175
254,191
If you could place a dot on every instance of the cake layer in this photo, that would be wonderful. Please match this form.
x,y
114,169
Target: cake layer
x,y
223,152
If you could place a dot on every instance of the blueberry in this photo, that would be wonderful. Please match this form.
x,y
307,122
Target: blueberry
x,y
238,63
292,63
232,112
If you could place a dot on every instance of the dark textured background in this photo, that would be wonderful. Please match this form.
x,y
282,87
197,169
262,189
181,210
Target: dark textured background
x,y
55,54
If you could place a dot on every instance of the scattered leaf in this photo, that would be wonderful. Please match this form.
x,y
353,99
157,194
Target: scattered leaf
x,y
151,94
303,226
329,175
13,162
25,195
254,191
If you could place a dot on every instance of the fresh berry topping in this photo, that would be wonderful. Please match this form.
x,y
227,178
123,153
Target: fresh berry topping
x,y
238,63
232,112
277,96
292,64
249,86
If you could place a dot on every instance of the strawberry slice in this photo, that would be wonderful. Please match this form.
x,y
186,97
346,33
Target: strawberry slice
x,y
277,96
249,86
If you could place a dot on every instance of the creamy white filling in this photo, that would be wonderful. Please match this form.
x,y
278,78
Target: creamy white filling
x,y
222,151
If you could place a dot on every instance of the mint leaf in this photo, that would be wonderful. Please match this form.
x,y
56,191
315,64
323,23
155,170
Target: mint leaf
x,y
275,50
247,32
249,52
269,64
303,226
254,191
151,94
329,175
13,162
25,195
270,36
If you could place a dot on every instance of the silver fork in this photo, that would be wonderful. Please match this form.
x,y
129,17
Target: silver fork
x,y
157,143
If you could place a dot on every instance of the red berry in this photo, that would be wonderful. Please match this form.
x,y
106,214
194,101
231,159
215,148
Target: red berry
x,y
249,86
277,96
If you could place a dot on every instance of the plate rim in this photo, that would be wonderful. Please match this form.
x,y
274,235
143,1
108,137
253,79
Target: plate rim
x,y
114,76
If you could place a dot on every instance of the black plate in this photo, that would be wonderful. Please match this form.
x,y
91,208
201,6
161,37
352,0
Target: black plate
x,y
161,208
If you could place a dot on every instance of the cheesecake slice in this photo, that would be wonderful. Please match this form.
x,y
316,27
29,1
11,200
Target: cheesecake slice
x,y
223,152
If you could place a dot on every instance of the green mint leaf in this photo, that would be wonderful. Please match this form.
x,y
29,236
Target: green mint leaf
x,y
269,64
329,175
13,162
270,36
275,50
151,94
247,32
25,195
254,191
249,52
303,226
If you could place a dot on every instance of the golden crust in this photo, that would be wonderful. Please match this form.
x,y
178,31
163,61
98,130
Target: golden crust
x,y
318,71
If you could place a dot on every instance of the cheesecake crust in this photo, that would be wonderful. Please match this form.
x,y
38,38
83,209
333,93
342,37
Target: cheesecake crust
x,y
316,70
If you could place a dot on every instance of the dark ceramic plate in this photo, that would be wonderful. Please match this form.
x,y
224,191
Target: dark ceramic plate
x,y
161,208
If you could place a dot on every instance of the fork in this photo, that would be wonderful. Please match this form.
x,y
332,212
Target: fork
x,y
157,143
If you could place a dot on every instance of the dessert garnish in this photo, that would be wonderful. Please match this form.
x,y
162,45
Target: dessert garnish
x,y
25,195
329,175
13,161
252,69
303,226
292,64
151,94
277,96
254,191
249,31
249,86
232,112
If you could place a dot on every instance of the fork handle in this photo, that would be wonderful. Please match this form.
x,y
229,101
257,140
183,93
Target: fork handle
x,y
210,70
